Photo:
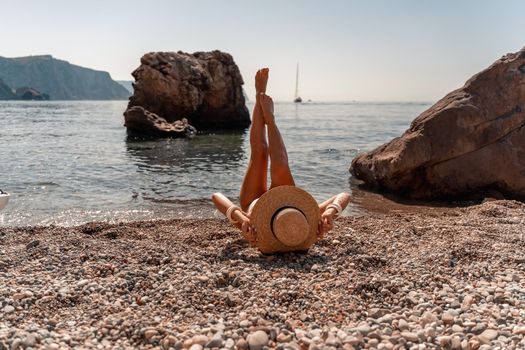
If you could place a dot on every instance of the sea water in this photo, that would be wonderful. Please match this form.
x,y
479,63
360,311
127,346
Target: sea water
x,y
68,163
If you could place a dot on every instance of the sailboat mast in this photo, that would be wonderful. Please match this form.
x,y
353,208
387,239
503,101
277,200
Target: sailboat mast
x,y
297,81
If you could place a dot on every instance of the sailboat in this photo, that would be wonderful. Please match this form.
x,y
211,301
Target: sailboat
x,y
298,98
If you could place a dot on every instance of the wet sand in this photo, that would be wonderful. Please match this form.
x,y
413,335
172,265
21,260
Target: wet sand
x,y
443,277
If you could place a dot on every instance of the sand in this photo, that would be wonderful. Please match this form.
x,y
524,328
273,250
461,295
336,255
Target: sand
x,y
428,279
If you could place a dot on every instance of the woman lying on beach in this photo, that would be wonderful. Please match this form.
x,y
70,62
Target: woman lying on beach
x,y
289,217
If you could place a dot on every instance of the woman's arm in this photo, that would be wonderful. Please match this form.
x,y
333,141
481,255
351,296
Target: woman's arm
x,y
322,206
242,221
328,212
342,200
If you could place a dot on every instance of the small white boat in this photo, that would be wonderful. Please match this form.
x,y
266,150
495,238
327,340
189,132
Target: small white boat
x,y
4,198
297,98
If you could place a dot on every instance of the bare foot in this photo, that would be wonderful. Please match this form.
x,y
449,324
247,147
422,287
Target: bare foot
x,y
261,80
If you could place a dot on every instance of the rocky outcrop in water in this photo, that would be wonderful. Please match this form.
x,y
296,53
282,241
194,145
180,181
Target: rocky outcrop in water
x,y
471,141
139,121
60,79
203,87
27,94
23,93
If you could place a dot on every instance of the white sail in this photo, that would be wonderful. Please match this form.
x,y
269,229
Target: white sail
x,y
297,99
297,81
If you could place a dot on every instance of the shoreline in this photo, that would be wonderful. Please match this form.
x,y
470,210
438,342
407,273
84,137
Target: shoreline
x,y
442,277
364,202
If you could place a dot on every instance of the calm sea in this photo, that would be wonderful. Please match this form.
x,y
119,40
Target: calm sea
x,y
68,163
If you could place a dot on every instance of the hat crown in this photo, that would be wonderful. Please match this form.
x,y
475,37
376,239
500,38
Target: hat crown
x,y
290,226
274,204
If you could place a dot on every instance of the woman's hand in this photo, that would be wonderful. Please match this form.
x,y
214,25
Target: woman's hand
x,y
326,223
238,218
248,230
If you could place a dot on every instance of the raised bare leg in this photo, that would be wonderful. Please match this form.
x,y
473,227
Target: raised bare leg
x,y
255,182
279,167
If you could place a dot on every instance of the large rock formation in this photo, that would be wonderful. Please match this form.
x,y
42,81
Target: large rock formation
x,y
471,141
204,87
60,79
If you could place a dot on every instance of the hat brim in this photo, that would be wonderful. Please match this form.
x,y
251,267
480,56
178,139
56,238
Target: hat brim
x,y
278,198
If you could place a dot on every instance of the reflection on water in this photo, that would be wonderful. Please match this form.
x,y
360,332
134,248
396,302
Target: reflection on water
x,y
175,170
179,154
72,162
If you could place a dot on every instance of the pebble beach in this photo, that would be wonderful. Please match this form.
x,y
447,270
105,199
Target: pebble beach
x,y
438,278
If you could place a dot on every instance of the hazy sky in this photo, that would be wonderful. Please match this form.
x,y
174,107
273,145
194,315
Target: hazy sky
x,y
407,50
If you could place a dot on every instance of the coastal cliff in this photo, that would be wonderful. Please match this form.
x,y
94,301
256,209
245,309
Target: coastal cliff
x,y
59,79
6,93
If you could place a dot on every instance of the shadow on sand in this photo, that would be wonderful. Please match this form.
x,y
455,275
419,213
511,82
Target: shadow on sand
x,y
297,261
372,200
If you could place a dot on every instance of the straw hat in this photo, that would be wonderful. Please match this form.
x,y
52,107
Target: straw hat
x,y
286,219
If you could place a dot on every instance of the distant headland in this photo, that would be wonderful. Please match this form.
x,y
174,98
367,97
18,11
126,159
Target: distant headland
x,y
44,77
